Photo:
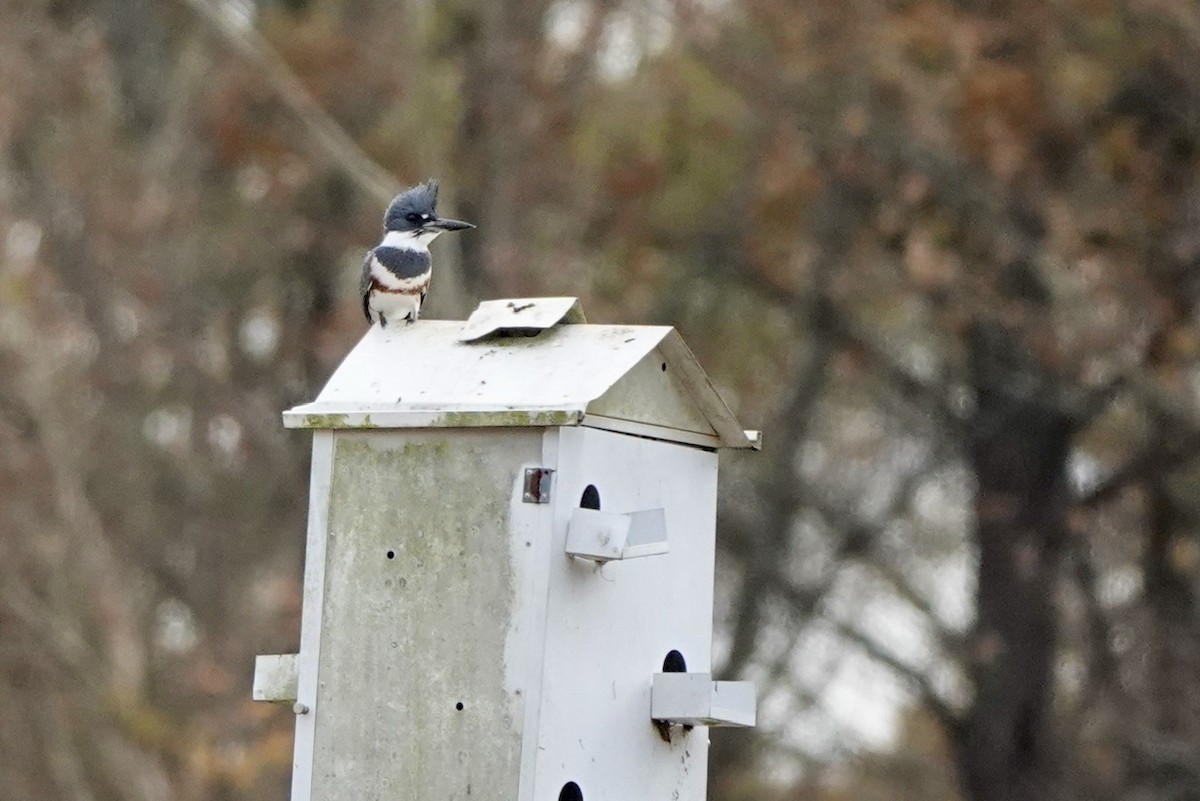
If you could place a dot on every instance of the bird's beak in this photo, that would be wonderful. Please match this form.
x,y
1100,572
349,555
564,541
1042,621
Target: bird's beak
x,y
449,225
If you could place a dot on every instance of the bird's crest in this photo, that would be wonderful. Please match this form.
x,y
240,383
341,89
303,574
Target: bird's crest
x,y
419,199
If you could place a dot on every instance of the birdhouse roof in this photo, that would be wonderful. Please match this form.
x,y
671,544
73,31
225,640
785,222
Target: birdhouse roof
x,y
525,362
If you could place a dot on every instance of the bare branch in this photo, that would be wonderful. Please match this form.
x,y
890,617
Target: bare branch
x,y
919,682
1155,458
22,420
330,139
1102,666
927,396
952,642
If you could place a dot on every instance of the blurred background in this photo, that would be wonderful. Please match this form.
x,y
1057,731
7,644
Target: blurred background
x,y
945,253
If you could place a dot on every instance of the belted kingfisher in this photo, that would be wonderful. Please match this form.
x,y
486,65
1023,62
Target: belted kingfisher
x,y
396,272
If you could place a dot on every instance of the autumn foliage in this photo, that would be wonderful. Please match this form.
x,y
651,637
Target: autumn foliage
x,y
945,253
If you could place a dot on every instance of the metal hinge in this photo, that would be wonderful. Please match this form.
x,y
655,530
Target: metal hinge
x,y
537,485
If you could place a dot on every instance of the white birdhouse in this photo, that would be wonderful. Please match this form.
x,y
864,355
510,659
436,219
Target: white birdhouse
x,y
508,590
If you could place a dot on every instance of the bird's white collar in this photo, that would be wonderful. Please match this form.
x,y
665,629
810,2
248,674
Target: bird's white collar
x,y
409,240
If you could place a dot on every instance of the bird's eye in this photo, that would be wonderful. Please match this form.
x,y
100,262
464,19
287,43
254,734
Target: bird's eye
x,y
413,217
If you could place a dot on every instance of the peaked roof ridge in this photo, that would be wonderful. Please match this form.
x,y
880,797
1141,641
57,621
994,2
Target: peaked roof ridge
x,y
424,375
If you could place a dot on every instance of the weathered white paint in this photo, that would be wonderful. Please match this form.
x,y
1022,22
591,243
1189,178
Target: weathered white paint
x,y
608,536
694,699
434,418
421,375
680,358
543,556
520,314
609,627
275,678
652,391
427,579
308,661
650,431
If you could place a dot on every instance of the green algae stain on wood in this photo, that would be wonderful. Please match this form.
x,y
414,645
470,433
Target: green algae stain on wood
x,y
419,596
507,418
512,418
324,421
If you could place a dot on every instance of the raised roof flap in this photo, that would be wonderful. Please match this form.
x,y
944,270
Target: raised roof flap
x,y
637,379
520,315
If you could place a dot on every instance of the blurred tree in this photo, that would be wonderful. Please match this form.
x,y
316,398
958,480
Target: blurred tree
x,y
945,253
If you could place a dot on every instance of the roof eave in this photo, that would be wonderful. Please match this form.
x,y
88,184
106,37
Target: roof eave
x,y
705,395
341,416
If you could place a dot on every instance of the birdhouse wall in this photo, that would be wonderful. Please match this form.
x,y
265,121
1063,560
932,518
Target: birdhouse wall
x,y
450,647
610,627
421,589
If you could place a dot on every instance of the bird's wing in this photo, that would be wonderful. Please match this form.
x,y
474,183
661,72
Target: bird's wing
x,y
364,287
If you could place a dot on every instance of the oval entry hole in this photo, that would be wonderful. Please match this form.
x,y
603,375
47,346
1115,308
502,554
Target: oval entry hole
x,y
664,369
591,498
674,663
391,554
570,792
459,706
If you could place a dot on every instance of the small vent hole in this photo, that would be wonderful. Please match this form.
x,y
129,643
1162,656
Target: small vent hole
x,y
674,663
570,792
591,498
391,554
459,706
